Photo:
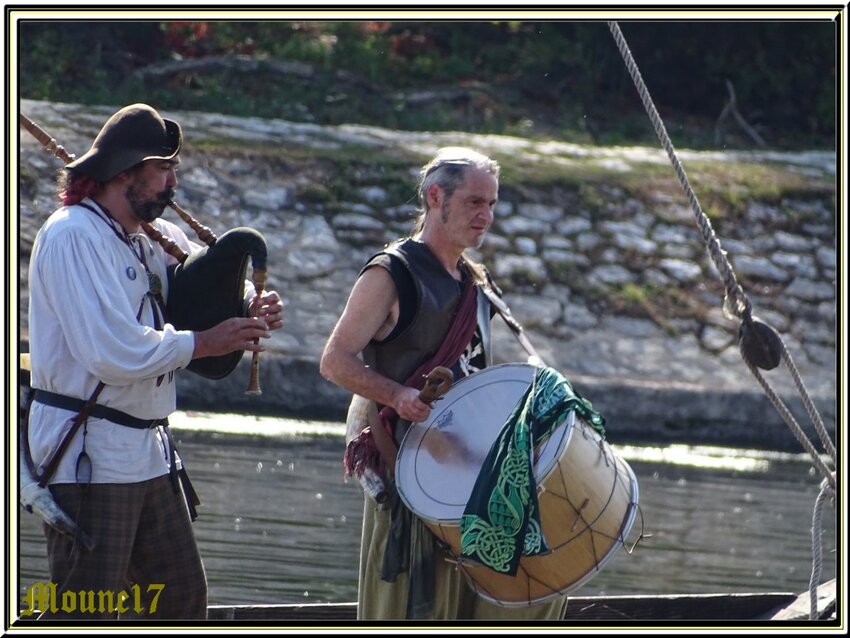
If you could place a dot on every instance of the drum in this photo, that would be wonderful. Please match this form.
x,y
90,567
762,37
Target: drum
x,y
587,495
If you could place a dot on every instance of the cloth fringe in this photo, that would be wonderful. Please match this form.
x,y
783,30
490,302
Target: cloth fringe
x,y
361,453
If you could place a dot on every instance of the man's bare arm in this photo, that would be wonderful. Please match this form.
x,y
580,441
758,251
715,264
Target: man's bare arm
x,y
370,313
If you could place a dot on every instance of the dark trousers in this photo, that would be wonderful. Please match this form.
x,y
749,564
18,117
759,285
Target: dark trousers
x,y
145,563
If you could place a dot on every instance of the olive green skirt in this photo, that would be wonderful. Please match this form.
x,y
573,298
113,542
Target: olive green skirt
x,y
381,600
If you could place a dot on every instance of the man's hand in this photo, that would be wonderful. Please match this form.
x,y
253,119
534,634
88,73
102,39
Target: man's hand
x,y
270,308
409,406
236,333
39,500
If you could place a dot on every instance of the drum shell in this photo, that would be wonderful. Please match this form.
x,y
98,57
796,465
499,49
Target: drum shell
x,y
587,499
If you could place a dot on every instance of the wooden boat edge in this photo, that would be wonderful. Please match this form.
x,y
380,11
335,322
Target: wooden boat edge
x,y
675,607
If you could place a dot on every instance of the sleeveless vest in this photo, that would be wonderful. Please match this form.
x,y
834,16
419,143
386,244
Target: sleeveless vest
x,y
437,294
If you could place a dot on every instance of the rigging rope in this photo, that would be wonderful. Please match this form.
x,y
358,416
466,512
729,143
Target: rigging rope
x,y
825,492
736,302
760,346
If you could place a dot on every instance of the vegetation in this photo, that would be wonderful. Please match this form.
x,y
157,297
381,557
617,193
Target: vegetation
x,y
563,79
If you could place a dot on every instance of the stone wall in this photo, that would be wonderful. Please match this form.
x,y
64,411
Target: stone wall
x,y
615,289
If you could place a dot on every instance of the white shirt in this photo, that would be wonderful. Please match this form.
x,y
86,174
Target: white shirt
x,y
86,288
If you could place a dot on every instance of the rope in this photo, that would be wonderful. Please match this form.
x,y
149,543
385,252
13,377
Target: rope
x,y
792,423
736,302
810,408
757,340
817,556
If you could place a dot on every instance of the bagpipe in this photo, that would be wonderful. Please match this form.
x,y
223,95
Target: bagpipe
x,y
206,287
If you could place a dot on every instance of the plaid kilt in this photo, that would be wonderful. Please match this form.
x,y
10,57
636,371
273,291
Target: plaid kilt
x,y
145,546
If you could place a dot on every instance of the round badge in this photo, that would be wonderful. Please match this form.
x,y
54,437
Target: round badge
x,y
131,273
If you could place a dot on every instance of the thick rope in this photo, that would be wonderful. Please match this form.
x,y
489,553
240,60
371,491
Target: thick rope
x,y
810,409
786,415
736,304
817,554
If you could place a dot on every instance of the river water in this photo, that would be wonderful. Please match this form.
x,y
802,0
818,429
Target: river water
x,y
279,524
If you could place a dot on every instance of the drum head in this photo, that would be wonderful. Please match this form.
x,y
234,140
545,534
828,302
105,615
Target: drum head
x,y
439,459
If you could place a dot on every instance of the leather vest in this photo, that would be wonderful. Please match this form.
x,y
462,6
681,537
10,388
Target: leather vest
x,y
438,295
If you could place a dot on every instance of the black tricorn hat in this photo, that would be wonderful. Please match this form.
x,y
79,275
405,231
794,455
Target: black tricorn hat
x,y
134,134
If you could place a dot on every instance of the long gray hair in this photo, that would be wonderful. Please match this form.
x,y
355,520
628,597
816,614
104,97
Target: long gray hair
x,y
448,170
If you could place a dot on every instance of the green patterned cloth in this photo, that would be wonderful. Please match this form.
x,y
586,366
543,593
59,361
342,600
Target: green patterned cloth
x,y
501,522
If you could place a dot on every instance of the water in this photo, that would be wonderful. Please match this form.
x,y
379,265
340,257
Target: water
x,y
278,524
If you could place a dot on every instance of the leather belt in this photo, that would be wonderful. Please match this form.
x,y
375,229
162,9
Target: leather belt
x,y
100,411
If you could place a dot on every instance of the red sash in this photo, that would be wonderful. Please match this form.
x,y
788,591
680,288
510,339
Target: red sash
x,y
364,451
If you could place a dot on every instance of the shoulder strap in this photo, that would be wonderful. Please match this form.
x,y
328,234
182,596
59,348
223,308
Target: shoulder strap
x,y
505,312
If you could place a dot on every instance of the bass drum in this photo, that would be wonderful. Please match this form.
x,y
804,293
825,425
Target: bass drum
x,y
587,495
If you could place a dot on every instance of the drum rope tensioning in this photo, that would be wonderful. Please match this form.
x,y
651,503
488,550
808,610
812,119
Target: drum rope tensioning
x,y
587,496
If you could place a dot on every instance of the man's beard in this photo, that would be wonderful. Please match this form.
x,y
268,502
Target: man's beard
x,y
148,210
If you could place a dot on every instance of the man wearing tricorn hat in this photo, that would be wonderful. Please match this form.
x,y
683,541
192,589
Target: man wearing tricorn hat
x,y
116,501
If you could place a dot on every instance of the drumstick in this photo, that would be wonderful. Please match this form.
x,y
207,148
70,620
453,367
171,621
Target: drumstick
x,y
437,383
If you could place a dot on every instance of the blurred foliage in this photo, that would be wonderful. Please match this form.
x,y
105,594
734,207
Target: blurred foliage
x,y
557,78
